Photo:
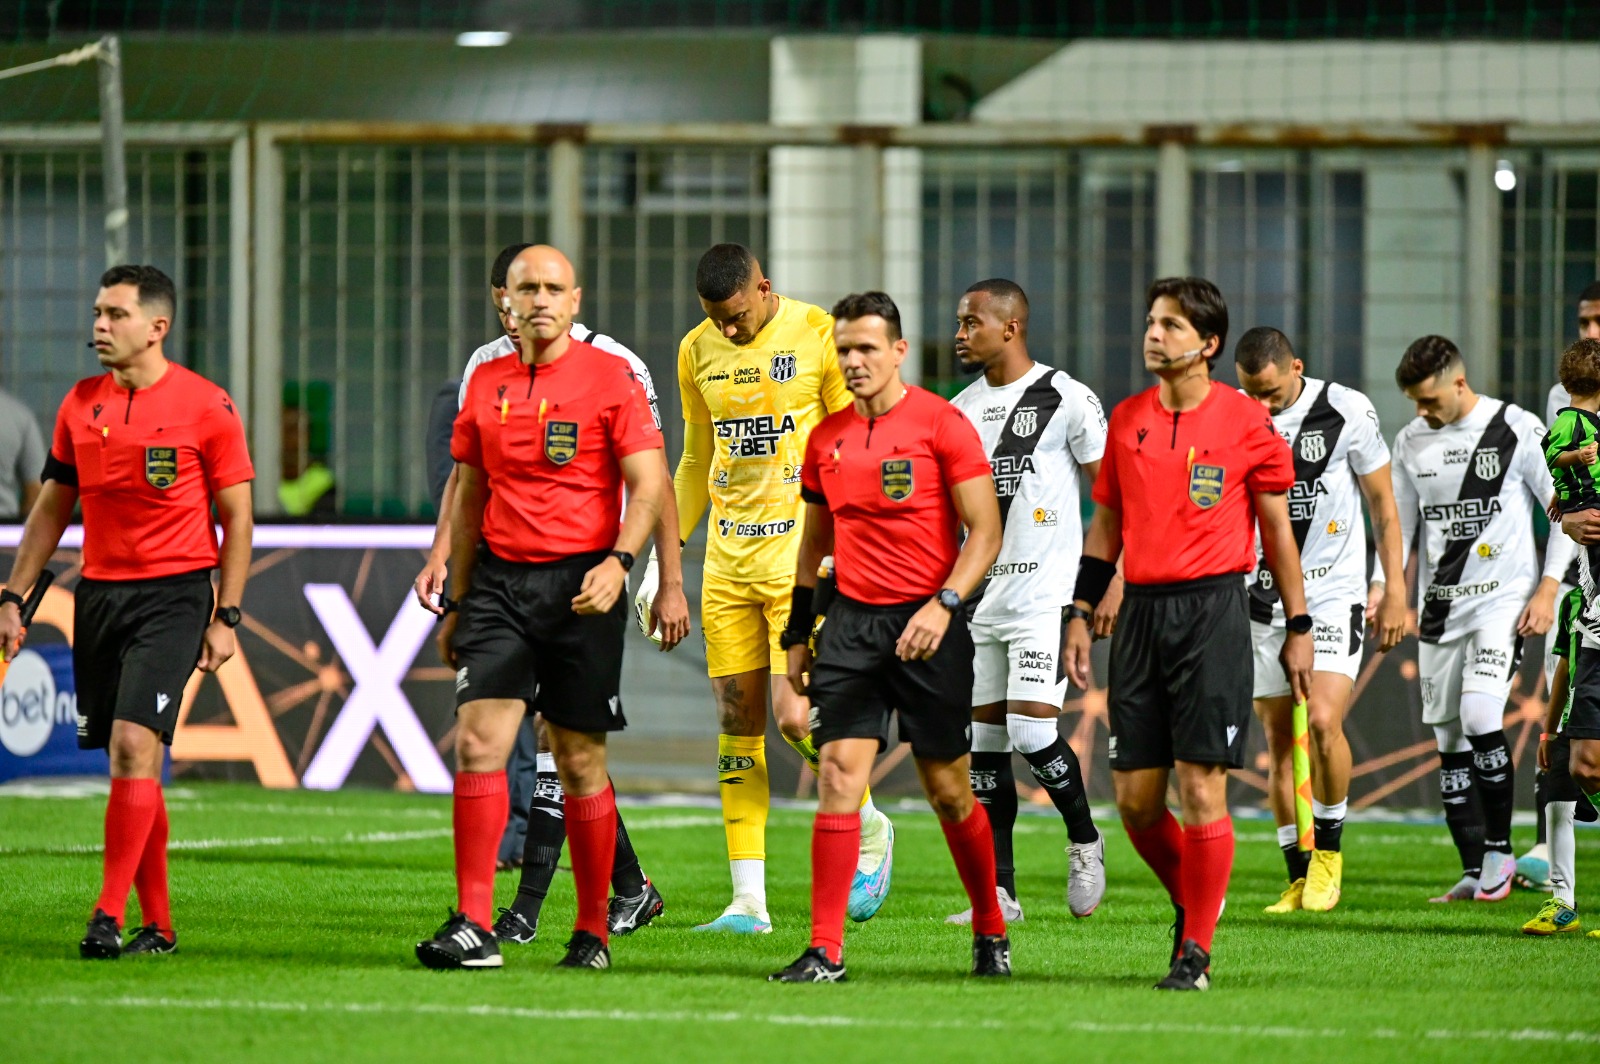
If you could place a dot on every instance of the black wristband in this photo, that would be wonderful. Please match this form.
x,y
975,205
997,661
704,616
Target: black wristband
x,y
8,595
802,618
1094,576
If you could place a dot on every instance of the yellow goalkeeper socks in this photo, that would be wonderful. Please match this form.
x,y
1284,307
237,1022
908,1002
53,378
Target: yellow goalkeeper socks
x,y
808,750
742,783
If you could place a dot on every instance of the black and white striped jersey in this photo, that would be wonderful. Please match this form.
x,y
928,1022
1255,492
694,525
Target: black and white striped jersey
x,y
1334,436
1474,486
1037,431
505,345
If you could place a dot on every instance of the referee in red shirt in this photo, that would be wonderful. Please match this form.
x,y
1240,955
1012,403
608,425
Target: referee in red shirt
x,y
1191,466
543,444
888,483
148,448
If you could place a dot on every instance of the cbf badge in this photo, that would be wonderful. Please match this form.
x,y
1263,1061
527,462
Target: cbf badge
x,y
561,441
161,467
895,477
1205,485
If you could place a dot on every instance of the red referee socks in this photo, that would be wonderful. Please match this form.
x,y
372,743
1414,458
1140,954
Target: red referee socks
x,y
1207,866
129,816
1162,847
481,806
592,843
151,877
835,847
972,845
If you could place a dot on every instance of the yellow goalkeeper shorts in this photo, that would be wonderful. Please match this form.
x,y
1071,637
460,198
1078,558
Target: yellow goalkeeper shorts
x,y
741,621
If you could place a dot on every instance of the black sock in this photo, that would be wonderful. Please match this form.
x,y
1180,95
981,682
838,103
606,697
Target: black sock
x,y
1541,798
547,833
996,790
1326,833
1056,766
1297,861
1461,812
1497,787
627,878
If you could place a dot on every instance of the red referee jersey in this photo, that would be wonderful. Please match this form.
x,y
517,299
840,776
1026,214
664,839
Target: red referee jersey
x,y
887,482
1183,483
146,463
551,438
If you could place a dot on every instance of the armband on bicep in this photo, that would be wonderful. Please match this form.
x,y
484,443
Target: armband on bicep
x,y
60,472
1094,576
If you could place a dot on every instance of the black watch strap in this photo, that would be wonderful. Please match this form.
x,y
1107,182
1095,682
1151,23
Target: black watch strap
x,y
1300,624
1071,610
229,615
8,595
624,559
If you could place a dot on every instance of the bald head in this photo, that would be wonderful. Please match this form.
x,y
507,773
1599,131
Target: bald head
x,y
542,289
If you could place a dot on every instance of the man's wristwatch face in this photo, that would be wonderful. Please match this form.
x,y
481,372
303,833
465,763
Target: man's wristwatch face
x,y
624,559
229,615
950,600
1300,625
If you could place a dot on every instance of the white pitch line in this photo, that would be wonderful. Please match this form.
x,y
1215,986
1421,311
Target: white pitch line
x,y
347,839
1273,1031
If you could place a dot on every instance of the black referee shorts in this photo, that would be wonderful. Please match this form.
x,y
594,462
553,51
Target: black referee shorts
x,y
135,644
1181,674
857,681
518,637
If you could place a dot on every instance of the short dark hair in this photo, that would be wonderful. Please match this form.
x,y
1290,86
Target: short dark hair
x,y
1591,293
1201,302
1580,368
1000,288
1262,346
157,293
869,304
723,270
1426,358
502,264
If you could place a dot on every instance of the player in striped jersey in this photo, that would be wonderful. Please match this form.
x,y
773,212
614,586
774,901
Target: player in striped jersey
x,y
1339,458
1470,470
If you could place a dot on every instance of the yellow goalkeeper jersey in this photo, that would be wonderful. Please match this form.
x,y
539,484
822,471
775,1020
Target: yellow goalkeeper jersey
x,y
762,400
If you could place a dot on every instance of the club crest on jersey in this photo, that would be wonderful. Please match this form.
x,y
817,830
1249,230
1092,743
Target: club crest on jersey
x,y
1486,463
1025,422
783,368
161,467
1313,447
1205,485
895,478
561,441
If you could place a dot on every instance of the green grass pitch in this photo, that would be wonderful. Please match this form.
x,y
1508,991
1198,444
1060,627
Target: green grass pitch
x,y
297,913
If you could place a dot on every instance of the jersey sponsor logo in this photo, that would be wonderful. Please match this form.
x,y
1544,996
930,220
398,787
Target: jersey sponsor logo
x,y
784,367
1233,733
716,377
1036,661
993,413
1313,446
1008,470
1456,455
1486,463
1451,592
896,479
1337,528
1025,422
1205,485
561,441
1467,517
754,529
791,474
97,408
461,679
1492,661
1142,433
1303,496
747,375
1489,551
735,763
1043,518
162,701
754,437
161,467
1012,569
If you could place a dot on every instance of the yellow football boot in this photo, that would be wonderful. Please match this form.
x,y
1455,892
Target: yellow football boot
x,y
1290,901
1323,880
1555,917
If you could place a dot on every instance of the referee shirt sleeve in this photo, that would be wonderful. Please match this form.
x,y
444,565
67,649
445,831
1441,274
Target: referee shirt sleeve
x,y
958,448
1270,463
633,425
466,444
1107,489
811,469
223,447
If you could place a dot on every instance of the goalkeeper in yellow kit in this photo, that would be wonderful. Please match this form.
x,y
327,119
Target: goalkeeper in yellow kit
x,y
755,377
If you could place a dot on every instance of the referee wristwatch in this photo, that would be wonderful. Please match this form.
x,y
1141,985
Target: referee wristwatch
x,y
950,599
1300,624
624,559
228,615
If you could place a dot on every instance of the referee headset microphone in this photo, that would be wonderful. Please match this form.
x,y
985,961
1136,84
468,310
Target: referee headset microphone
x,y
1173,360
